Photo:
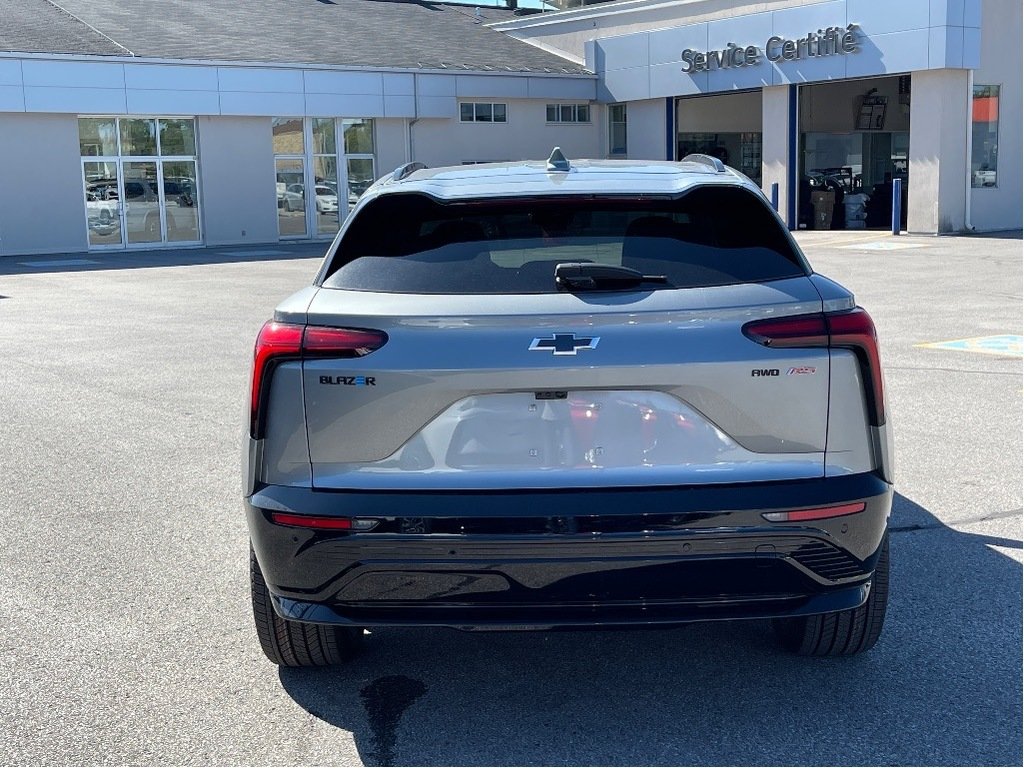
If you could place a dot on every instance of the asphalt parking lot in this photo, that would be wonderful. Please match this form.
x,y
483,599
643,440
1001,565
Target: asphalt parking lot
x,y
126,628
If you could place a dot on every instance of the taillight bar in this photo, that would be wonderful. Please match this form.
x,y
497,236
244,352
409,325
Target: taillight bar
x,y
820,513
321,523
280,342
850,329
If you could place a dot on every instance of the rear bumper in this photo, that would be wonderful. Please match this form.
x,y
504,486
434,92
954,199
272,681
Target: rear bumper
x,y
573,558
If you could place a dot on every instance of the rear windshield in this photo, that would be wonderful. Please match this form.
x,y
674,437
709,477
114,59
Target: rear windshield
x,y
411,243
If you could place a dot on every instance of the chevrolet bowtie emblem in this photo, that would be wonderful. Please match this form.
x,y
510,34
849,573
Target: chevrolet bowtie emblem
x,y
564,343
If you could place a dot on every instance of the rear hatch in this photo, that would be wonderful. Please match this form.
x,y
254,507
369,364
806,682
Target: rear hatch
x,y
490,375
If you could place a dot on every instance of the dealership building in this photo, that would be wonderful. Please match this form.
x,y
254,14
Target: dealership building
x,y
128,124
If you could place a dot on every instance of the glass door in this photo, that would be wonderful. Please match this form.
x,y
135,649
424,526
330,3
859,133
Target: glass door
x,y
103,203
291,196
141,181
143,217
179,199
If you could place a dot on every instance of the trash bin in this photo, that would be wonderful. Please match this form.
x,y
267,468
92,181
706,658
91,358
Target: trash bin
x,y
823,202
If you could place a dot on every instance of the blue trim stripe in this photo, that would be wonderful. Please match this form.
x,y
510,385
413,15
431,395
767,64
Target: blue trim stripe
x,y
793,186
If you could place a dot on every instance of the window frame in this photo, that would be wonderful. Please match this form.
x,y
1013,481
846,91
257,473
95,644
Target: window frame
x,y
612,152
476,120
998,89
575,107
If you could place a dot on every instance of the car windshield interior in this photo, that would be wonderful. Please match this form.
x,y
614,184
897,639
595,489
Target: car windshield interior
x,y
411,243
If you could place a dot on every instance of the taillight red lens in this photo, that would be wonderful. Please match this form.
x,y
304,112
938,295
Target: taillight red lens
x,y
851,329
820,513
279,342
324,523
341,342
275,342
798,331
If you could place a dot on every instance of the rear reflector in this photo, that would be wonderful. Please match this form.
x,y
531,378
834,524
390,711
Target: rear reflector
x,y
323,523
821,513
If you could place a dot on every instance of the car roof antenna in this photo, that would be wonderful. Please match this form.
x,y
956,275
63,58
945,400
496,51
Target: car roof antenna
x,y
558,161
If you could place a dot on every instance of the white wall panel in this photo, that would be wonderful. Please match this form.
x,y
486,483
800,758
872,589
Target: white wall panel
x,y
151,102
562,88
167,78
276,104
72,74
890,53
945,47
625,84
622,52
392,145
361,83
436,106
877,18
76,100
945,12
646,125
252,80
743,30
399,84
972,14
326,104
399,106
12,98
809,70
44,212
435,85
792,22
667,80
972,48
738,77
480,86
10,72
665,46
236,167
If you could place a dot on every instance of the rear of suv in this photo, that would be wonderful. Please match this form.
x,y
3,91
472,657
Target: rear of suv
x,y
538,395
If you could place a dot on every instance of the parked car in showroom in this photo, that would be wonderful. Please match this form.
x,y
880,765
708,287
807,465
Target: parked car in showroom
x,y
566,394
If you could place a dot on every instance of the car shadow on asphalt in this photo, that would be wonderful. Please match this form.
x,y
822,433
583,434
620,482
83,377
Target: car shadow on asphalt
x,y
943,685
178,257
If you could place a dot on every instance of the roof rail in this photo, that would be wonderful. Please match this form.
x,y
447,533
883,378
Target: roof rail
x,y
405,170
712,162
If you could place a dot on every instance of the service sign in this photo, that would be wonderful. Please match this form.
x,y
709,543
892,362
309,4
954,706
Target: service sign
x,y
824,42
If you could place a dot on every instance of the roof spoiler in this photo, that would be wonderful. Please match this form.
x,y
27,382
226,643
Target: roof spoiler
x,y
711,162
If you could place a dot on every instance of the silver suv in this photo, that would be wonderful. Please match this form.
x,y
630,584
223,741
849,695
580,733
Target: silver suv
x,y
534,395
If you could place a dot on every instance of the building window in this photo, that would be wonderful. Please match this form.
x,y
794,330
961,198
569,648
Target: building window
x,y
482,112
617,129
985,143
359,154
313,194
141,180
568,113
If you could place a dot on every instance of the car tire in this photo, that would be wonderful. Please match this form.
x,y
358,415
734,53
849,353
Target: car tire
x,y
294,643
842,633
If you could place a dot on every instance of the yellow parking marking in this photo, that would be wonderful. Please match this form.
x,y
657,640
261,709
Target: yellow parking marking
x,y
1007,345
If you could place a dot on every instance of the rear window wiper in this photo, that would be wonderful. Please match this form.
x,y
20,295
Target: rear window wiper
x,y
590,276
